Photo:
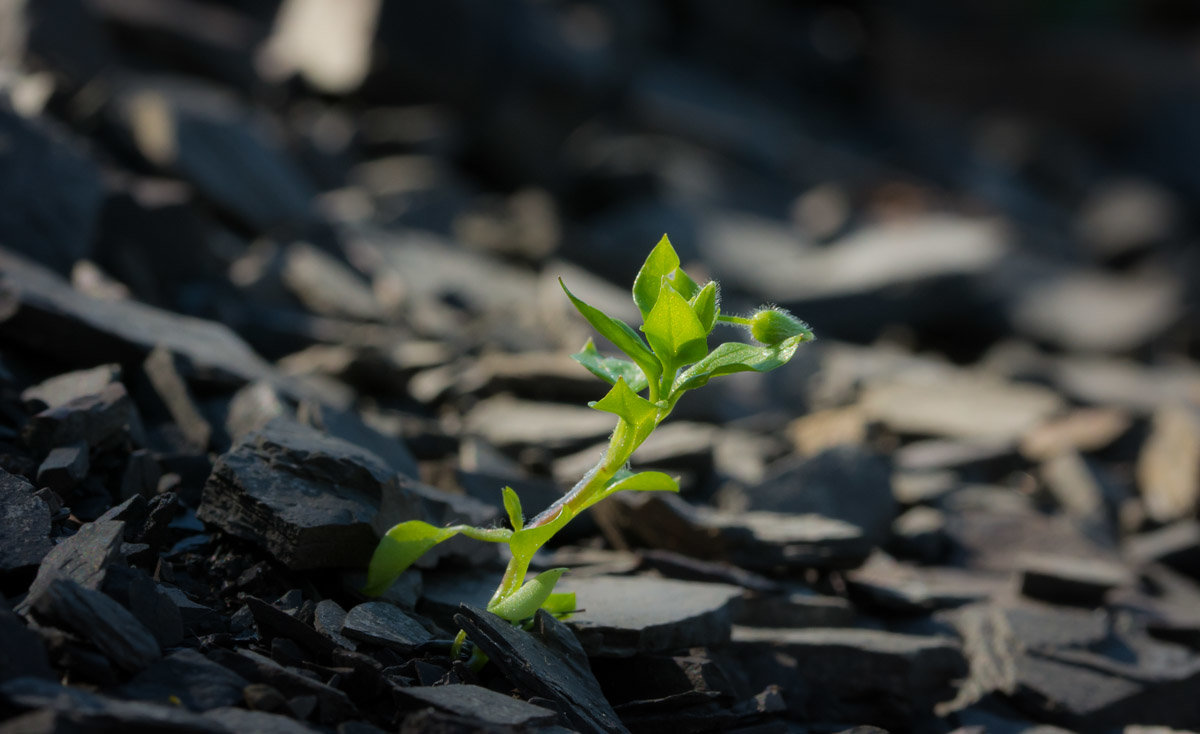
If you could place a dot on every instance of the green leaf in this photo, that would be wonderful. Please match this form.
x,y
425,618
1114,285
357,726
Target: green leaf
x,y
646,481
619,333
638,412
733,357
525,601
610,369
560,603
398,549
705,306
525,542
683,284
512,505
673,330
660,263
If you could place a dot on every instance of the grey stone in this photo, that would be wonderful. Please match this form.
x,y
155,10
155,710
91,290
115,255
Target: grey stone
x,y
328,619
381,623
70,708
253,407
479,703
1176,546
165,373
326,285
274,622
965,406
547,662
100,421
864,675
751,540
84,557
1079,430
889,587
795,609
306,497
642,614
66,387
24,653
920,533
1168,467
544,376
99,619
511,424
347,426
260,722
206,136
148,601
197,682
53,202
45,313
845,483
64,467
1121,383
1064,580
1092,311
678,566
333,705
24,524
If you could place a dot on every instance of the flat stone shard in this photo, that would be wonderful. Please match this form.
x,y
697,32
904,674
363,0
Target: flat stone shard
x,y
546,662
1075,581
641,614
66,387
24,524
166,376
45,313
84,557
100,620
752,540
864,675
99,421
306,497
845,483
24,653
1168,468
64,467
965,407
380,623
69,708
197,682
480,703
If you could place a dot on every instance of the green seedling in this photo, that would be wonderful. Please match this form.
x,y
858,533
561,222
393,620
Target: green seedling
x,y
667,359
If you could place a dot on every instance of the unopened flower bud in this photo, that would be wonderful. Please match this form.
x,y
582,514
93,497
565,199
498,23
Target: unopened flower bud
x,y
773,325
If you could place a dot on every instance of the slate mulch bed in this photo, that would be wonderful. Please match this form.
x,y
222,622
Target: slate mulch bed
x,y
277,275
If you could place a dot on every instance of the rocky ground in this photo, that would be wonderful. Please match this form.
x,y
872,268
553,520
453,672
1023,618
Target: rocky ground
x,y
277,275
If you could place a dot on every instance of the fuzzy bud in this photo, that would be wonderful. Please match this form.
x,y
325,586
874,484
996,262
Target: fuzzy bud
x,y
773,325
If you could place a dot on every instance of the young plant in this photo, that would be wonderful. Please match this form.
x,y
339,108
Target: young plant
x,y
672,358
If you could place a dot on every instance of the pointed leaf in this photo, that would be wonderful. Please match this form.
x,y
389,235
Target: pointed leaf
x,y
560,603
673,330
661,262
733,357
527,541
638,412
512,505
705,306
398,549
525,601
683,283
646,481
620,334
610,369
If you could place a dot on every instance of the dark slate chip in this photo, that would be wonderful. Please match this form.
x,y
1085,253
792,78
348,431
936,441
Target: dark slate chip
x,y
64,467
381,623
24,524
259,722
84,557
546,662
480,703
100,421
333,705
186,675
72,709
274,622
100,620
24,654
